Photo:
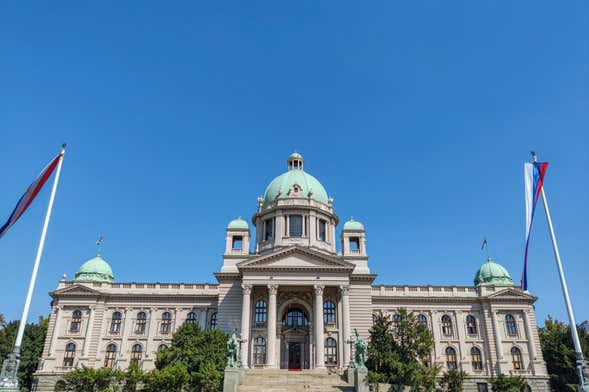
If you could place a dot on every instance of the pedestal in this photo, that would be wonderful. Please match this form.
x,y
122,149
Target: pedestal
x,y
233,378
351,375
361,380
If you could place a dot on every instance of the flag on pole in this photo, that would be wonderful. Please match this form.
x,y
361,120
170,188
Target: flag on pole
x,y
533,178
485,244
26,199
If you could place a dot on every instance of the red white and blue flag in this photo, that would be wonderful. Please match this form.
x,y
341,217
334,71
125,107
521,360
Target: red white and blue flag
x,y
534,178
26,199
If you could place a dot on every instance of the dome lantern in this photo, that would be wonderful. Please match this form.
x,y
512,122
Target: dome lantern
x,y
295,161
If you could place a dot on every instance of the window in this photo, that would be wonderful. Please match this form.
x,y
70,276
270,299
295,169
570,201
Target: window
x,y
395,319
268,229
322,232
482,387
296,318
237,242
111,356
115,323
166,325
330,351
471,325
447,325
259,351
136,352
421,319
161,347
261,311
516,356
140,323
329,312
451,359
510,325
192,318
295,225
76,321
354,244
374,318
69,355
477,360
213,322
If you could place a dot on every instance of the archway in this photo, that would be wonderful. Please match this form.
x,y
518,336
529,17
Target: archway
x,y
295,337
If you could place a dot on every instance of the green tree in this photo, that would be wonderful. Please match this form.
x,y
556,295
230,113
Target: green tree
x,y
132,378
399,351
31,348
453,380
93,380
173,378
559,353
505,383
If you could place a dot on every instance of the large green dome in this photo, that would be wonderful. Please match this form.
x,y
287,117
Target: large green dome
x,y
492,274
95,270
281,185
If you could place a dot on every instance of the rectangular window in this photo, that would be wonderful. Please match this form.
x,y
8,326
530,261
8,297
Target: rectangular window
x,y
354,244
322,230
268,229
295,225
237,242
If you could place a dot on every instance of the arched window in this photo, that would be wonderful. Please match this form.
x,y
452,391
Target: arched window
x,y
115,323
329,312
395,318
69,355
259,350
477,359
76,321
192,318
296,318
261,311
136,352
140,323
161,347
213,323
511,325
166,325
451,359
471,325
447,325
330,351
516,356
111,356
422,319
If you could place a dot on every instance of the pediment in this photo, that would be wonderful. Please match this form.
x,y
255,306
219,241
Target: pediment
x,y
297,258
76,289
512,293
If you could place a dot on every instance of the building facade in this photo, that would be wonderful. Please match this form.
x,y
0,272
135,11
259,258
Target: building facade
x,y
294,300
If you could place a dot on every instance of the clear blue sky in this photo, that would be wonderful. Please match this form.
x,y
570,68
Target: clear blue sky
x,y
417,118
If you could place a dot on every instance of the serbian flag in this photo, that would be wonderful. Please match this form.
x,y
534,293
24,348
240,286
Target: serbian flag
x,y
534,178
26,199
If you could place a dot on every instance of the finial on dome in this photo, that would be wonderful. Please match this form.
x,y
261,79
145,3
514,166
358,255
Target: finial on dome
x,y
295,161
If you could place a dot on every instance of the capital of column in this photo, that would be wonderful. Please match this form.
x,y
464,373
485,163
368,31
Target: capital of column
x,y
345,289
318,289
246,289
272,289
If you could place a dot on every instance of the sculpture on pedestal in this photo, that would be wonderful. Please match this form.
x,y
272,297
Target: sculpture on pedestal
x,y
360,357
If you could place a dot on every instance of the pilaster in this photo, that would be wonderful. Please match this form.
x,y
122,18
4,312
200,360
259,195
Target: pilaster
x,y
245,323
271,348
319,329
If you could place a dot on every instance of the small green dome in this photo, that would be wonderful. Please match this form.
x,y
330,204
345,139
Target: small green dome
x,y
238,224
282,185
492,274
95,270
353,225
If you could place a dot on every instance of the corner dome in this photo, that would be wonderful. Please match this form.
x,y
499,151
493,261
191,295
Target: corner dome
x,y
238,224
492,274
281,186
95,270
353,225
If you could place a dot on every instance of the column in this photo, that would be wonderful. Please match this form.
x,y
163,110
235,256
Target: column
x,y
88,335
271,346
202,318
498,343
320,361
460,328
435,319
124,333
151,331
530,338
56,330
345,292
245,323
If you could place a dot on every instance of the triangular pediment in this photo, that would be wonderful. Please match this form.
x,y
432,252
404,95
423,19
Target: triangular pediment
x,y
296,257
512,293
76,289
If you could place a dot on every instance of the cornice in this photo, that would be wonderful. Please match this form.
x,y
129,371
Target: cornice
x,y
332,262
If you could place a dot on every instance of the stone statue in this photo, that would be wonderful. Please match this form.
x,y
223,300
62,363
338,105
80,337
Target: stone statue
x,y
233,355
8,377
360,357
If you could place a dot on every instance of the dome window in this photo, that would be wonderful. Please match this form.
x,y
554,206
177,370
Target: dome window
x,y
237,242
322,232
354,244
295,225
269,229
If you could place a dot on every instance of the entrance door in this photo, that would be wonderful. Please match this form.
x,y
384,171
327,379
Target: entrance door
x,y
294,355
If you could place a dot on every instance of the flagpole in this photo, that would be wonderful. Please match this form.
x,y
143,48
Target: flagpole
x,y
565,290
10,370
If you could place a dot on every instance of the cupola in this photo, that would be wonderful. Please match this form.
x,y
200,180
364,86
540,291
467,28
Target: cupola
x,y
295,161
95,270
492,274
238,237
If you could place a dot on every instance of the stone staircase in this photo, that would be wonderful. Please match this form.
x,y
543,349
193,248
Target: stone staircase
x,y
274,380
